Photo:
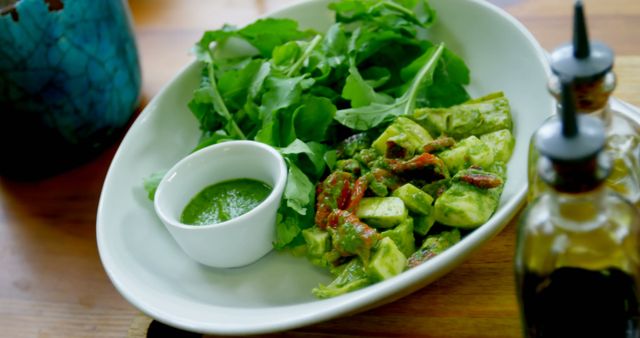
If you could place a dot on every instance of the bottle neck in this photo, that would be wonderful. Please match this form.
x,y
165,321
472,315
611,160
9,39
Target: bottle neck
x,y
575,177
591,96
579,211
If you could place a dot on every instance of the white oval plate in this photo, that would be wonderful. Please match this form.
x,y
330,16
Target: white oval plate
x,y
152,273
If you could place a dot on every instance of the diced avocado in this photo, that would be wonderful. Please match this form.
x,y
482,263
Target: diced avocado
x,y
402,235
498,168
496,114
414,199
480,153
352,276
387,261
434,120
463,121
464,205
501,142
406,133
469,151
382,212
318,241
475,117
434,245
456,158
422,224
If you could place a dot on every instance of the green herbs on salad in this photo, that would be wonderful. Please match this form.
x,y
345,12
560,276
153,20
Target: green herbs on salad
x,y
379,135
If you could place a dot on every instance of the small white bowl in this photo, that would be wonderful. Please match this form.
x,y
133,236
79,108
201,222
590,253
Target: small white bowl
x,y
238,241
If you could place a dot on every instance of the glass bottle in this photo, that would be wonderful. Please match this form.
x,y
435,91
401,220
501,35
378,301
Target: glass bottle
x,y
590,64
577,261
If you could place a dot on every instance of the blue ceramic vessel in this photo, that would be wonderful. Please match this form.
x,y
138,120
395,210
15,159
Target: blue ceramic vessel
x,y
69,82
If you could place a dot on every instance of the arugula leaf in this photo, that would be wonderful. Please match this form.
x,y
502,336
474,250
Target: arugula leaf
x,y
202,49
211,139
449,79
296,147
313,118
299,190
316,159
360,93
201,105
367,117
376,76
293,55
287,227
281,94
151,183
330,158
267,34
234,85
209,88
313,151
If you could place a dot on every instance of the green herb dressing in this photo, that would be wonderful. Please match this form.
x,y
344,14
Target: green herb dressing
x,y
225,200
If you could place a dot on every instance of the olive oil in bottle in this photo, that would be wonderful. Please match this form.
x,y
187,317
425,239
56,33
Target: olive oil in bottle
x,y
577,258
590,65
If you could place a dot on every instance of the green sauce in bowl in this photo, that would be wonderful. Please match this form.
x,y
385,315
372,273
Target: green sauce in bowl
x,y
223,201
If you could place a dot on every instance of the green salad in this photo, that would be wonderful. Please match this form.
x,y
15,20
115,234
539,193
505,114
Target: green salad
x,y
389,160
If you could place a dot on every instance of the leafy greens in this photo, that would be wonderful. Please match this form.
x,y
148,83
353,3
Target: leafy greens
x,y
302,91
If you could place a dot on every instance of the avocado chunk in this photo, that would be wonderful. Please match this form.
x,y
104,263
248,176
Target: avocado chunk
x,y
434,245
466,205
382,212
351,276
475,117
387,261
318,242
467,152
414,199
422,224
402,235
501,142
405,133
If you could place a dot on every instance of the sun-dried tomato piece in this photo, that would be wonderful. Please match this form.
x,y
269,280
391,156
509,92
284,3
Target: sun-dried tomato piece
x,y
482,181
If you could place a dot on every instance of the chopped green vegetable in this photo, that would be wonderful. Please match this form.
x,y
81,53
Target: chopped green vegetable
x,y
476,117
318,244
469,151
422,224
434,245
387,261
501,142
405,133
402,235
382,212
415,199
471,199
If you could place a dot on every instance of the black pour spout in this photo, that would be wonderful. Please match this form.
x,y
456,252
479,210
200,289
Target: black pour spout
x,y
571,138
582,59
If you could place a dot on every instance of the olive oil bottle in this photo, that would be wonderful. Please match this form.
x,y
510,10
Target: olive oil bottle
x,y
590,65
577,258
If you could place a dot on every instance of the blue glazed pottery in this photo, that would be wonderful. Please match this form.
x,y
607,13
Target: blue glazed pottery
x,y
69,82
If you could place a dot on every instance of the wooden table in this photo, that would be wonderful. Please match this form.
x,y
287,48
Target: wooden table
x,y
52,283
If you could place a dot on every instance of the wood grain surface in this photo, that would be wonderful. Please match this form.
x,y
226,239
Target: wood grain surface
x,y
52,283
